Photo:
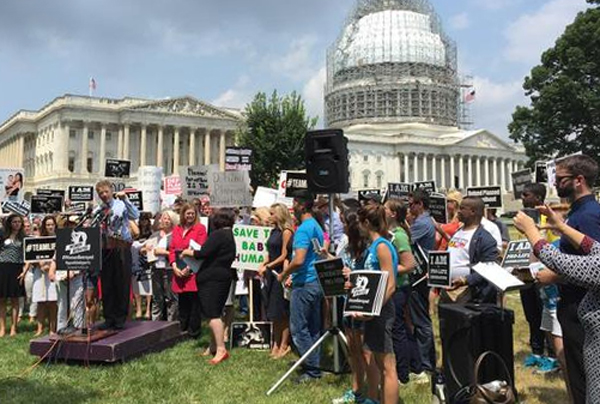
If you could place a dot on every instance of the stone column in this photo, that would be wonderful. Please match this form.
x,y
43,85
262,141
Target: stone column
x,y
487,171
470,171
425,173
160,147
443,164
434,169
120,143
176,150
126,142
416,168
20,154
84,149
478,169
192,146
495,172
461,172
143,145
406,165
102,156
503,181
222,151
207,147
61,149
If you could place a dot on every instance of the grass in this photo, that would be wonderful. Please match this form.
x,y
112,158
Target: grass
x,y
179,375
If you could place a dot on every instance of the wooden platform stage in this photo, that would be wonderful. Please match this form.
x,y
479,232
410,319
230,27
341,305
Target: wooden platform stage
x,y
136,339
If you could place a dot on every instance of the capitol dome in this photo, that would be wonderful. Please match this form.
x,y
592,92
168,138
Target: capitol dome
x,y
392,63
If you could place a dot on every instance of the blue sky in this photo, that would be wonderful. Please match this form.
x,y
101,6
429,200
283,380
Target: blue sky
x,y
225,51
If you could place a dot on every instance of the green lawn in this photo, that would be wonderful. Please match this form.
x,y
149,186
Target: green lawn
x,y
179,375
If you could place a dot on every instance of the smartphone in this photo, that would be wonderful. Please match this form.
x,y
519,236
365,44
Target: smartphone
x,y
533,213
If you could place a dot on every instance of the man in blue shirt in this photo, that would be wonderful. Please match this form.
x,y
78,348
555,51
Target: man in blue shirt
x,y
307,296
116,255
422,232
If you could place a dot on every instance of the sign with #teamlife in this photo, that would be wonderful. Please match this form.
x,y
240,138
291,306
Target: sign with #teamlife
x,y
78,249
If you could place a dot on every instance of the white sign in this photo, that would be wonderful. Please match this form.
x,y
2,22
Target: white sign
x,y
289,202
264,197
149,182
194,181
11,184
251,246
230,189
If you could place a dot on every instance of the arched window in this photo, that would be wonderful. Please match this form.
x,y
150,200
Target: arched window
x,y
90,162
72,161
366,178
379,179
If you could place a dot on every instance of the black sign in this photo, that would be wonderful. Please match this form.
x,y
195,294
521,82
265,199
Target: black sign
x,y
46,204
39,248
81,194
117,168
77,207
366,194
295,184
50,192
437,208
78,249
427,186
256,335
366,295
398,190
439,269
331,277
20,208
519,180
421,265
238,159
517,254
492,196
136,198
541,176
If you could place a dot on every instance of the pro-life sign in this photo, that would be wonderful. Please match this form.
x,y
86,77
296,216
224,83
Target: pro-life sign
x,y
295,184
331,277
492,196
439,269
251,246
36,249
519,180
427,186
398,190
238,159
78,249
517,254
437,208
136,198
115,168
81,194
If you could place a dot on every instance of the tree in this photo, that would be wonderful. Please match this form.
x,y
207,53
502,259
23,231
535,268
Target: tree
x,y
275,130
564,115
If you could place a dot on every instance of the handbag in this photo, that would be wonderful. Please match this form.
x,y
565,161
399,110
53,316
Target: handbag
x,y
496,392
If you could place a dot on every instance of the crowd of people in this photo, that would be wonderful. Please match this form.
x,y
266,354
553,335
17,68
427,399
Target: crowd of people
x,y
172,267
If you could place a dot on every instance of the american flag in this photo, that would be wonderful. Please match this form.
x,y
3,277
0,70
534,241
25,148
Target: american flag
x,y
470,96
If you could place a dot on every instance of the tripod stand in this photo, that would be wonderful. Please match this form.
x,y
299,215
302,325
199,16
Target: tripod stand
x,y
334,332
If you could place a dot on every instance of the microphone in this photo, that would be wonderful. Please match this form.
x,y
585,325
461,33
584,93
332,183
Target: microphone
x,y
86,215
100,215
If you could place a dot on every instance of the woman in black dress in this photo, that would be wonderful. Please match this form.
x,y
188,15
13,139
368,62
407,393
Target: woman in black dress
x,y
279,247
11,271
215,276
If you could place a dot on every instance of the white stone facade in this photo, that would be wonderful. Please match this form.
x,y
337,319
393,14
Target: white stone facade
x,y
67,141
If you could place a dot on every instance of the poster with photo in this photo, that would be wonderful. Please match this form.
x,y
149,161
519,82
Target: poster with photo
x,y
115,168
46,204
11,184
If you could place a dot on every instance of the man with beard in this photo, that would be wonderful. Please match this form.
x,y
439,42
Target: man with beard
x,y
307,296
575,177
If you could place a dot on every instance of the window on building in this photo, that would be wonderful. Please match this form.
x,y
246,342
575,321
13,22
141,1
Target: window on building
x,y
379,159
72,133
379,179
366,178
90,162
108,136
72,162
366,158
91,135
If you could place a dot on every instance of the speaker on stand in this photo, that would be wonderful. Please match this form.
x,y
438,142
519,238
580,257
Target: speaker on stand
x,y
326,153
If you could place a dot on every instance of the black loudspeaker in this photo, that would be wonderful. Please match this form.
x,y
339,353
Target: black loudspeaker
x,y
467,331
326,153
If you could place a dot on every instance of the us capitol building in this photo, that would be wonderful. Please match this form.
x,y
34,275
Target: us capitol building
x,y
392,85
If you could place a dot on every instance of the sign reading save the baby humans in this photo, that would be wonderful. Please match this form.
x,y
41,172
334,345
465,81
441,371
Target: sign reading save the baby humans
x,y
251,246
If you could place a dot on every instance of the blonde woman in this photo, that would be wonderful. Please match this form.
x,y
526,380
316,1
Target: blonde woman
x,y
279,247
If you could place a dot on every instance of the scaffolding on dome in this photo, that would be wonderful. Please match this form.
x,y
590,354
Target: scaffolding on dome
x,y
392,62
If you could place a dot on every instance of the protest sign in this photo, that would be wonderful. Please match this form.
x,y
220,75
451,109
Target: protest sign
x,y
366,295
50,192
115,168
437,208
77,207
439,269
149,182
331,277
81,193
281,198
238,159
295,184
230,189
398,191
11,184
78,249
172,185
518,254
136,198
427,186
421,265
251,246
492,196
551,172
36,249
519,180
46,204
366,194
19,207
194,181
540,172
265,197
252,335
